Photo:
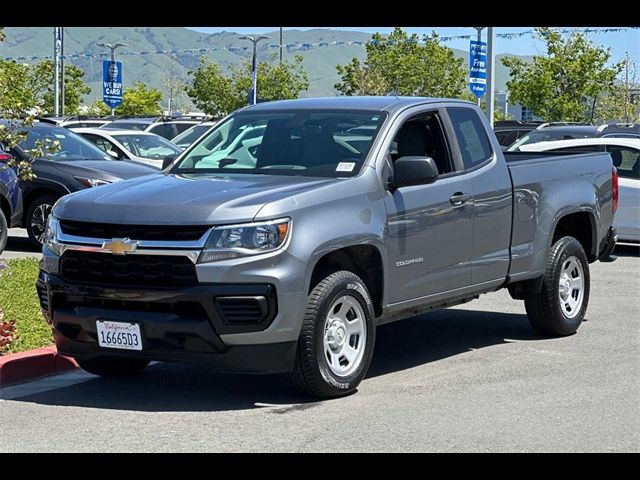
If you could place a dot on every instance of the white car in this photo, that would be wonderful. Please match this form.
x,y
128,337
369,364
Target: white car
x,y
625,153
143,147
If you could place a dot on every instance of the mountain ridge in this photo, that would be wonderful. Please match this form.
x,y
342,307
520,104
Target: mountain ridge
x,y
223,47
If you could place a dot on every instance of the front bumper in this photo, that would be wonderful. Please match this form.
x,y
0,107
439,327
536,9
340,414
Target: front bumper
x,y
177,325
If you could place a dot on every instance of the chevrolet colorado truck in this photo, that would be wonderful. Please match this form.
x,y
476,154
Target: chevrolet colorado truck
x,y
322,219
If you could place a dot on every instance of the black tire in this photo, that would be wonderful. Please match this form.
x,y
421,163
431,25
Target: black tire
x,y
107,366
544,309
47,199
311,374
4,231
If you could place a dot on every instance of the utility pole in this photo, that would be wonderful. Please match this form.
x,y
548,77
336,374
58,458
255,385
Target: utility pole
x,y
281,44
479,38
113,57
61,71
253,95
490,74
56,70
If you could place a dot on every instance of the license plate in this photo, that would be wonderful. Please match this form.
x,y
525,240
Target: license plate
x,y
125,336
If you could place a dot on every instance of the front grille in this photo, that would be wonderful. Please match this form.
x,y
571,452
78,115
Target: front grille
x,y
181,308
135,232
43,297
138,271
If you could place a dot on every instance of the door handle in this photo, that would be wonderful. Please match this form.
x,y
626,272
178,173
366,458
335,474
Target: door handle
x,y
459,198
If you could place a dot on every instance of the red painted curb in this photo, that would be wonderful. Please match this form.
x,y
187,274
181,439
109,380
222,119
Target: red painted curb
x,y
23,366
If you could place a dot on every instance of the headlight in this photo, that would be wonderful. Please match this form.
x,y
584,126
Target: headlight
x,y
51,235
92,182
243,240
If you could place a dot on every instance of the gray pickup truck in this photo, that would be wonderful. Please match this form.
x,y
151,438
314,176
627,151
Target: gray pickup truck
x,y
279,240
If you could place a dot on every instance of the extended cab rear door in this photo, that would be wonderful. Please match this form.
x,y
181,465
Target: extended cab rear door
x,y
491,188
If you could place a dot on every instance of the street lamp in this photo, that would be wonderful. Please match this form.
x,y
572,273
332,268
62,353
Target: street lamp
x,y
254,77
113,56
112,48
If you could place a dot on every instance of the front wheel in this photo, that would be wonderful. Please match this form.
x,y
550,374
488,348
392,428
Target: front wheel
x,y
36,219
559,308
337,337
107,366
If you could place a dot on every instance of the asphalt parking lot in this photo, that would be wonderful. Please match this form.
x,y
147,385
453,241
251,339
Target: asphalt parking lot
x,y
473,378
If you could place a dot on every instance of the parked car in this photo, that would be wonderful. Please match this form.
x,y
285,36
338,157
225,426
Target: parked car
x,y
189,136
10,199
289,263
508,131
625,153
76,121
77,165
544,133
165,126
143,147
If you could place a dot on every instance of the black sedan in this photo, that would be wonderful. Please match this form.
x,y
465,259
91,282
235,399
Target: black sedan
x,y
76,165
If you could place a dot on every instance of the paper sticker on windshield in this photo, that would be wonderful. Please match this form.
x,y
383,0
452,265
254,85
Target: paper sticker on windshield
x,y
345,167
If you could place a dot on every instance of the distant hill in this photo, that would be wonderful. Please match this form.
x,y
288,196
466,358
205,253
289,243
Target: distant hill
x,y
320,62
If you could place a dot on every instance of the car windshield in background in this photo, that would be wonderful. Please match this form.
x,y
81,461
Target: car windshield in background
x,y
546,136
72,145
322,143
189,136
147,146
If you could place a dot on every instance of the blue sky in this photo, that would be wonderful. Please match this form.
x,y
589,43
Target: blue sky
x,y
620,42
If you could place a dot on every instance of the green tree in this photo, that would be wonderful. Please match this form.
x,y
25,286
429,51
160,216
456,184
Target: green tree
x,y
42,80
400,63
98,108
566,83
622,103
140,100
217,93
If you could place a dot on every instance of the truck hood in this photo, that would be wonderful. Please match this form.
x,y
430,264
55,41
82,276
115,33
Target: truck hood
x,y
166,199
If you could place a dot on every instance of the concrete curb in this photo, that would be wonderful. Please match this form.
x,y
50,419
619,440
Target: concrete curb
x,y
41,362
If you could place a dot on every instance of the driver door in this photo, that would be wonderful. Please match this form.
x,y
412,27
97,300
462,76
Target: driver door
x,y
429,226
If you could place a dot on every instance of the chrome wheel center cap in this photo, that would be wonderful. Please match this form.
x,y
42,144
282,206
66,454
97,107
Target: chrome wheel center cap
x,y
336,336
565,286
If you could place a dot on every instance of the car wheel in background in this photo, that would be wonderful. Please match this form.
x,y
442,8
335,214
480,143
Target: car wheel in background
x,y
36,219
4,231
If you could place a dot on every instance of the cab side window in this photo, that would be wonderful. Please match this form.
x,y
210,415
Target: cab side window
x,y
474,143
423,136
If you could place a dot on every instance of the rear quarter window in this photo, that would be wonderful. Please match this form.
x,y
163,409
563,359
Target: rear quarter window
x,y
472,137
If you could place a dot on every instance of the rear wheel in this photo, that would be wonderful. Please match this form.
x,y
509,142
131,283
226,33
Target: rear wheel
x,y
4,231
36,219
337,337
106,366
559,308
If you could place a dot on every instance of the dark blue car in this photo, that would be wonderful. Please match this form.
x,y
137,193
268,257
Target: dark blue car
x,y
10,199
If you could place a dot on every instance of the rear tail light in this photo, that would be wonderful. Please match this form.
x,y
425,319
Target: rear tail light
x,y
5,157
614,181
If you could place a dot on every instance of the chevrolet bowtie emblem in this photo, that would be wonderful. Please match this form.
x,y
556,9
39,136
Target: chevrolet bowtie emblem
x,y
120,246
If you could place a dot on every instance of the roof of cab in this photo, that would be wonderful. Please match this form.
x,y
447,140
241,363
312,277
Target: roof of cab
x,y
349,103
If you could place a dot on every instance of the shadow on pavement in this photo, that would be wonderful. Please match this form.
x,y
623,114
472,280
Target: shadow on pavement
x,y
626,250
182,388
21,244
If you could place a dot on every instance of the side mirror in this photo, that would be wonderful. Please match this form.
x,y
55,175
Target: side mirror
x,y
409,171
168,160
113,153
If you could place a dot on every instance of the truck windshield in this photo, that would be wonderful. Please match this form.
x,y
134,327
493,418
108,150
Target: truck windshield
x,y
319,143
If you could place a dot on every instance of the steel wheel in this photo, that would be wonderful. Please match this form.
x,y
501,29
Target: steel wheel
x,y
38,221
345,336
571,287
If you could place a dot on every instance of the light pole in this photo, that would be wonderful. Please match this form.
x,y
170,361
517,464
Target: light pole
x,y
113,56
253,95
479,38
